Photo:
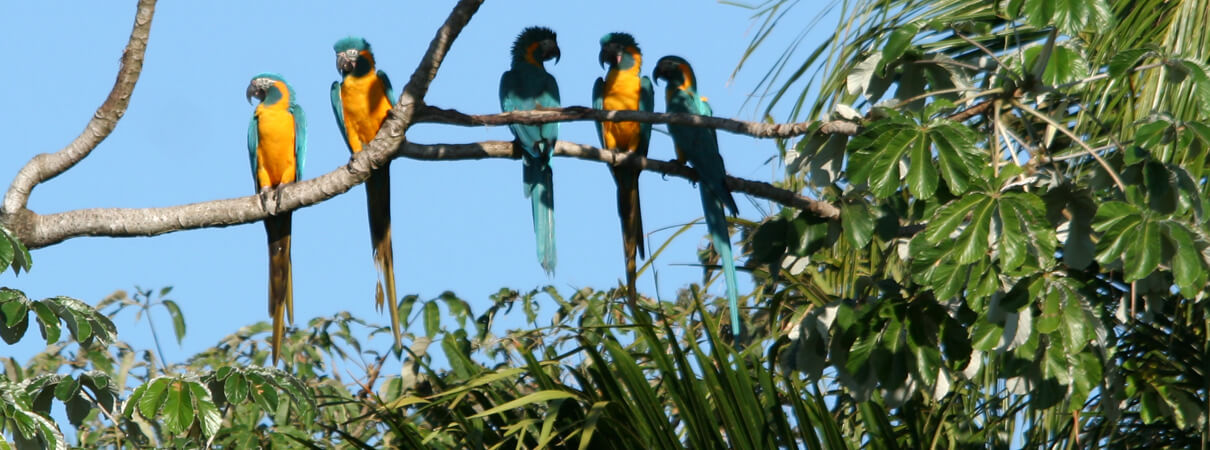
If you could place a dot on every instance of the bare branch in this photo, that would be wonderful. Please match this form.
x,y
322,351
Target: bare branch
x,y
579,113
44,230
49,165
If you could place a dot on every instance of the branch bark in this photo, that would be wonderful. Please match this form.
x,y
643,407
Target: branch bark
x,y
579,113
49,165
50,229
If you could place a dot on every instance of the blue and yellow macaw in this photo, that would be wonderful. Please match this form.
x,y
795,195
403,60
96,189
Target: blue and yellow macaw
x,y
699,146
277,148
361,101
625,88
526,86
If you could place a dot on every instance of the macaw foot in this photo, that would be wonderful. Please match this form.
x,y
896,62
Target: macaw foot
x,y
263,196
680,161
276,200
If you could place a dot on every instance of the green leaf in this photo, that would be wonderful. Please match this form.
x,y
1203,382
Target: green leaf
x,y
235,388
178,319
1049,321
48,322
153,398
1066,65
6,252
432,319
1126,60
858,223
957,155
178,407
205,409
1070,16
947,219
67,388
1187,265
14,311
972,243
898,41
1142,256
536,397
922,175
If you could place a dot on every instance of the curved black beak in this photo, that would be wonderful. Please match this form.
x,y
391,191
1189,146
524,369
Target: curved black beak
x,y
346,61
550,49
254,91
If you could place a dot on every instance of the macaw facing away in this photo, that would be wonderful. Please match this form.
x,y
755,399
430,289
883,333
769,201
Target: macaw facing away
x,y
700,147
277,148
526,86
624,88
361,102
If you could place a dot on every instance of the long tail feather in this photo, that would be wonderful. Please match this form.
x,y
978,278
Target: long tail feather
x,y
281,279
630,213
716,223
378,203
539,187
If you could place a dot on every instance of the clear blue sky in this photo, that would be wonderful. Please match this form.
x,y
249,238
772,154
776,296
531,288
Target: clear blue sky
x,y
462,226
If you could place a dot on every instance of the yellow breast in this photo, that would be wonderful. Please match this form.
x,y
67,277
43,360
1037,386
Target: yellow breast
x,y
275,146
622,89
365,107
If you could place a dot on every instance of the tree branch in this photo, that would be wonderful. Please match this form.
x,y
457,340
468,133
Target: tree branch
x,y
433,114
49,165
50,229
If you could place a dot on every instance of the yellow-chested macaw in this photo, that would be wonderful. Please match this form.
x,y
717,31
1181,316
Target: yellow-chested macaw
x,y
361,101
625,88
699,146
277,148
526,86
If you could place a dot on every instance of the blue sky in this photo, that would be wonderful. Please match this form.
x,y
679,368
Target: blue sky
x,y
462,226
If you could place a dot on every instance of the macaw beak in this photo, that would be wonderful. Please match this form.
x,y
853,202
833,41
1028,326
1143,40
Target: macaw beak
x,y
603,57
550,49
252,91
346,61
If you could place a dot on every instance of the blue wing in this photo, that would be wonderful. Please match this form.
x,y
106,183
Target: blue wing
x,y
646,103
511,100
339,111
386,87
598,102
549,98
253,139
300,140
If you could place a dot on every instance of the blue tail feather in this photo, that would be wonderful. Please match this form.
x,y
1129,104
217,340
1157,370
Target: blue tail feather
x,y
716,223
539,187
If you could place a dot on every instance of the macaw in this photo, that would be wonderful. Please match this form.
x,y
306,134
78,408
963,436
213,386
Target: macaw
x,y
361,101
625,88
277,148
526,86
700,147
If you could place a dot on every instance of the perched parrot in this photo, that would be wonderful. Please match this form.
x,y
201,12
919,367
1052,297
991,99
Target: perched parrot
x,y
700,147
277,148
361,101
526,86
624,88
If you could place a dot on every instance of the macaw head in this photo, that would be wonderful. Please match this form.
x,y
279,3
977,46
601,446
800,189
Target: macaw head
x,y
619,51
269,88
353,56
536,45
676,71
